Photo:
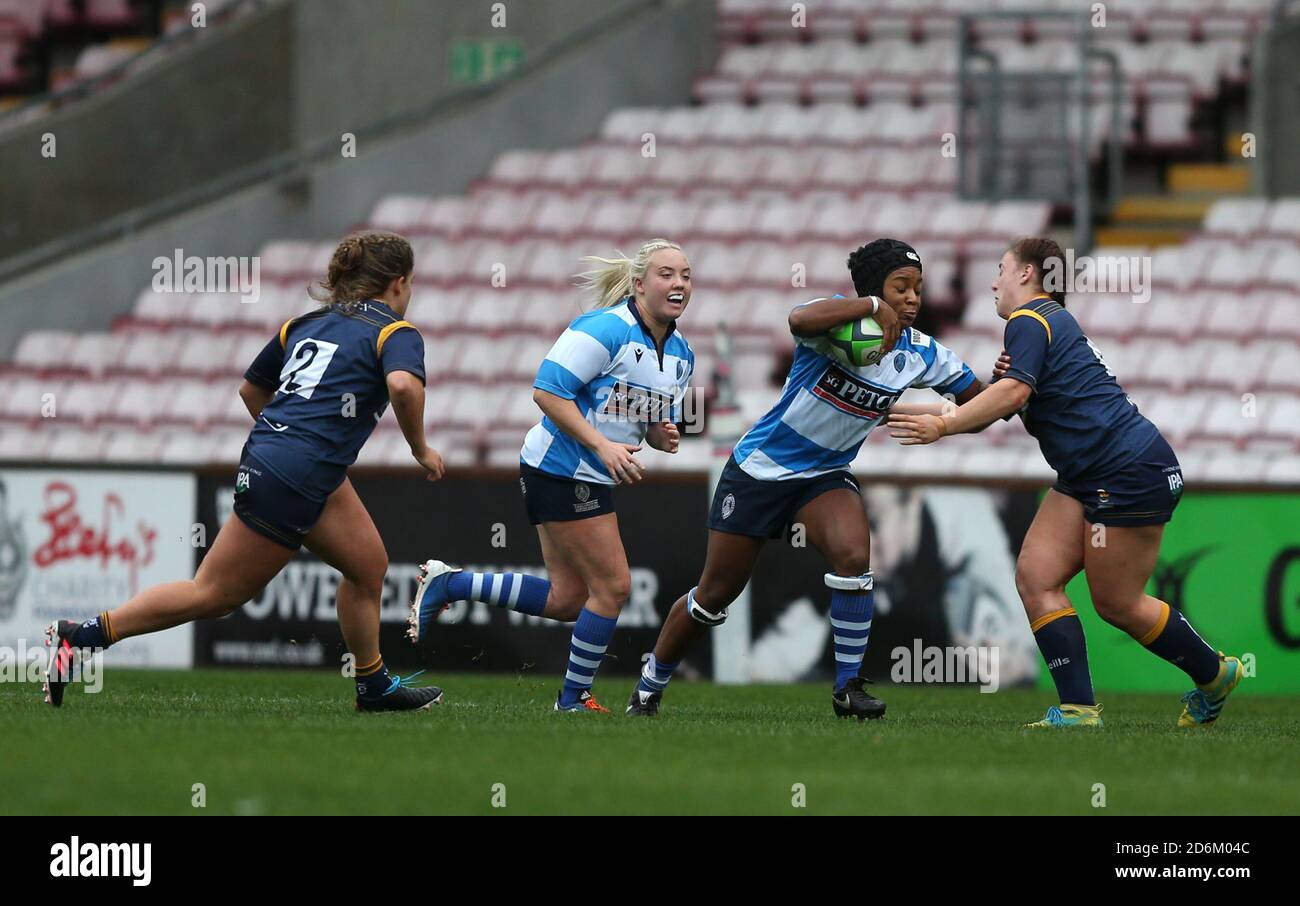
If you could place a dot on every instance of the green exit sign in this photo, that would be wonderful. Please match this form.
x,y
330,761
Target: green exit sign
x,y
483,59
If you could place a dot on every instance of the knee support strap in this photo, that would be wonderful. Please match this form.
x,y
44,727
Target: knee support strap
x,y
700,615
864,582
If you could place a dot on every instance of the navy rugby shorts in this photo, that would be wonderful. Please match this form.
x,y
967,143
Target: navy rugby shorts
x,y
1144,492
553,498
744,505
271,507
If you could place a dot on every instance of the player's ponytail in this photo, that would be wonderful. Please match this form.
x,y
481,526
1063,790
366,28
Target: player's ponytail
x,y
362,266
615,278
1042,253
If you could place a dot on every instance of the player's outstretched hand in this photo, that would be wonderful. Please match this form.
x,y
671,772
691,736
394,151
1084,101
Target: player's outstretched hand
x,y
620,462
916,429
664,436
1003,365
431,460
890,326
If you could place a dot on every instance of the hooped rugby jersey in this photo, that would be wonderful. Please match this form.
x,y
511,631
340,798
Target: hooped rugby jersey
x,y
827,408
607,362
1084,422
329,371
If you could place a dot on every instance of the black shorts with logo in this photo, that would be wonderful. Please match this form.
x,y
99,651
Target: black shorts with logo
x,y
1144,492
551,498
271,507
744,505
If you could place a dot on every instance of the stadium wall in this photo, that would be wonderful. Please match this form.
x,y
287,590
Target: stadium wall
x,y
76,541
182,122
1274,106
946,577
555,106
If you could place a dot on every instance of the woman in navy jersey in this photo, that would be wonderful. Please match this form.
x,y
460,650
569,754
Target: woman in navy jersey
x,y
316,393
1118,483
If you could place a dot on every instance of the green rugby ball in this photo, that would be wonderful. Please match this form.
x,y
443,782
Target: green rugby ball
x,y
855,343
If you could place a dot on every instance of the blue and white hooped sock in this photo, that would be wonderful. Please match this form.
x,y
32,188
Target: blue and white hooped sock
x,y
513,591
591,635
654,675
852,606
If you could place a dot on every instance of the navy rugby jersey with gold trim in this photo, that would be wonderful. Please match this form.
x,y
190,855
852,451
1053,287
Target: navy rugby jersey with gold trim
x,y
1085,423
329,372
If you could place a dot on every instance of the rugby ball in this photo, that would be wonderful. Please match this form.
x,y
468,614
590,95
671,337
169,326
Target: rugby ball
x,y
856,343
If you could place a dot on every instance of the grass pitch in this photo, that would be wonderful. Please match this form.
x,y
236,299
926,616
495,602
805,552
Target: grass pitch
x,y
274,742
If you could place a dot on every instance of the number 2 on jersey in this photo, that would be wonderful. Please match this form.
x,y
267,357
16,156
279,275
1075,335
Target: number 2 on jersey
x,y
305,366
1097,353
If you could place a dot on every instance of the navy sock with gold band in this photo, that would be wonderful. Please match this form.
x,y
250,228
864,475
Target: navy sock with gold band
x,y
1060,638
97,632
1174,639
373,679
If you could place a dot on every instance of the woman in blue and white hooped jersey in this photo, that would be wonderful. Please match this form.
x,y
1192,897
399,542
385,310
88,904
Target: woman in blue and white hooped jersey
x,y
792,467
615,377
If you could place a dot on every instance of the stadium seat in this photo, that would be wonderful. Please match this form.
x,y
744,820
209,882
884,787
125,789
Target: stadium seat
x,y
386,447
28,398
130,445
1284,219
1236,217
805,143
40,349
405,214
69,444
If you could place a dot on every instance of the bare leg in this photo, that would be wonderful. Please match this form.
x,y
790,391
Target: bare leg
x,y
1117,577
593,550
837,526
345,537
239,565
727,567
1051,555
568,589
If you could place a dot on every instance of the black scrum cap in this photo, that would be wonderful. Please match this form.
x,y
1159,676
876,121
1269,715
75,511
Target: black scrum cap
x,y
871,264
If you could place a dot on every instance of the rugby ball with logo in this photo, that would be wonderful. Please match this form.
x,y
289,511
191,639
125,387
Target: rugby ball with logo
x,y
856,343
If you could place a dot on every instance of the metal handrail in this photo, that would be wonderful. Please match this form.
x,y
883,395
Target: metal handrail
x,y
1115,142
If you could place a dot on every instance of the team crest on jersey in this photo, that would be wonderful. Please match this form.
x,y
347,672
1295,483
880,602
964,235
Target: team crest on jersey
x,y
899,361
582,492
681,369
728,505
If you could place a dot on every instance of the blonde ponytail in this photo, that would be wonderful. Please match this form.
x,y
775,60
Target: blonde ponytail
x,y
614,279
